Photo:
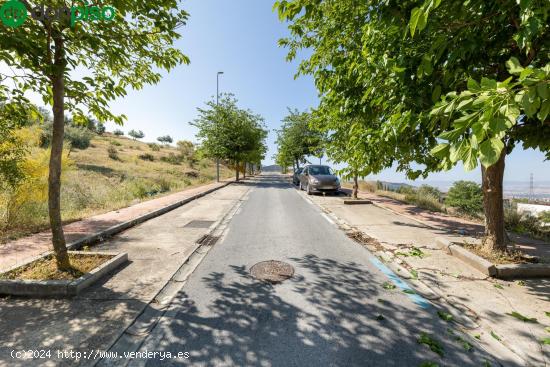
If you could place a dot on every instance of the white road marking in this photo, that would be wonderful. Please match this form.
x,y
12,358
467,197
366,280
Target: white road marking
x,y
328,219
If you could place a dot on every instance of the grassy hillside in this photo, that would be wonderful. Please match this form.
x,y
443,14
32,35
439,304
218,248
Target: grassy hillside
x,y
113,172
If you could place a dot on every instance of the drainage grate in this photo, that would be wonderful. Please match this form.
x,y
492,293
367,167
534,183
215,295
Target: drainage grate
x,y
272,271
199,224
208,240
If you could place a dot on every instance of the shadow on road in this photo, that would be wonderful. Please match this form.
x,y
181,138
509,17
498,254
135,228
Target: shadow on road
x,y
343,317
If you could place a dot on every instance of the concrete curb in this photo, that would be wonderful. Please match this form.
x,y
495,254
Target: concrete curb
x,y
61,288
508,271
356,201
469,258
501,271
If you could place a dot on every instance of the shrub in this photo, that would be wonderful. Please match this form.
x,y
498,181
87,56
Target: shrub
x,y
425,197
466,196
429,191
113,153
427,202
187,149
78,137
545,216
525,224
406,189
163,185
115,143
147,157
118,132
100,128
154,147
171,158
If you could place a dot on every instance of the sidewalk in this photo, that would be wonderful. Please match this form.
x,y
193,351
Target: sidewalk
x,y
455,225
400,230
125,304
15,252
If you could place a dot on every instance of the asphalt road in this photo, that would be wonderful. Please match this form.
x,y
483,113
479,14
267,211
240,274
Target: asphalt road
x,y
337,309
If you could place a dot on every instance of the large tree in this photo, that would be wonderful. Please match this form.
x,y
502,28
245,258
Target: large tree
x,y
386,65
230,133
82,65
297,138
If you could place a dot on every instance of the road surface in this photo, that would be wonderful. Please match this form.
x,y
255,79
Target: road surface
x,y
339,309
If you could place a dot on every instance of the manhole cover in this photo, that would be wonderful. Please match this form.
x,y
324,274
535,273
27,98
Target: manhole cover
x,y
272,271
199,224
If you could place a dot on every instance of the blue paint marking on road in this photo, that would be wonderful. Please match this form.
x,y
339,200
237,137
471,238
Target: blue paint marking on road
x,y
416,298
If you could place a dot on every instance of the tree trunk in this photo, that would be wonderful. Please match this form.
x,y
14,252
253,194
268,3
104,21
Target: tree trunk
x,y
237,170
297,164
355,187
491,182
244,170
54,179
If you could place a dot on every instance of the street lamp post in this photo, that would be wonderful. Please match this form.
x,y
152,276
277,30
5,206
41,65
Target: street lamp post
x,y
217,102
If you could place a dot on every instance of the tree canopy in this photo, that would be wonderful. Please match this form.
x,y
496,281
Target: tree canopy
x,y
427,84
80,66
297,139
231,133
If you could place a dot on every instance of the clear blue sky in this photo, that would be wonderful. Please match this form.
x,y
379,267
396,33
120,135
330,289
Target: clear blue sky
x,y
239,37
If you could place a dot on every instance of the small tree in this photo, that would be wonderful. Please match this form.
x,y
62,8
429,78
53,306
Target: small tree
x,y
100,128
230,133
118,132
166,139
297,139
136,134
125,51
466,196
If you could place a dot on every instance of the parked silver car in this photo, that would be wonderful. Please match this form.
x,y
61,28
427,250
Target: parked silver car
x,y
318,178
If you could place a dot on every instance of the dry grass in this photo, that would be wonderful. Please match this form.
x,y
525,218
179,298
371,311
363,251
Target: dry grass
x,y
508,257
96,183
367,186
45,269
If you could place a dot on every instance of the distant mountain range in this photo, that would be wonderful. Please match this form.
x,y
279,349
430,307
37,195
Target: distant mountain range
x,y
541,189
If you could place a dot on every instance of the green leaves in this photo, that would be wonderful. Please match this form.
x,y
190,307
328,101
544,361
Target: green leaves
x,y
445,316
229,132
513,66
418,19
521,317
490,151
432,343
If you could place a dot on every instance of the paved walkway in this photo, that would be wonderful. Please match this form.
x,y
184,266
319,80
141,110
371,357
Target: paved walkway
x,y
488,302
90,322
15,252
452,225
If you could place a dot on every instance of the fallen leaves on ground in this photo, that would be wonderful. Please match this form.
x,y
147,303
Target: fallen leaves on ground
x,y
519,316
495,336
445,315
433,344
388,285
